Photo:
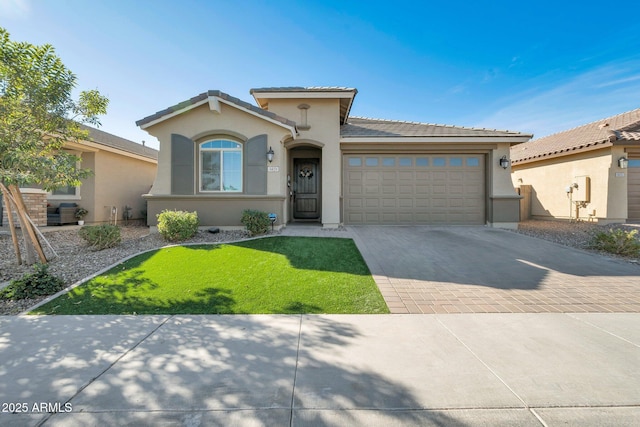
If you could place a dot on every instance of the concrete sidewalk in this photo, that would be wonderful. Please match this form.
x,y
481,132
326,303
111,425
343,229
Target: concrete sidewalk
x,y
322,370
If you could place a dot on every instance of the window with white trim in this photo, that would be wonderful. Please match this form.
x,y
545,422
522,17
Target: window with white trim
x,y
221,166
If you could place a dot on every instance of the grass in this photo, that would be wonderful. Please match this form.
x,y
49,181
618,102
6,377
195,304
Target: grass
x,y
271,275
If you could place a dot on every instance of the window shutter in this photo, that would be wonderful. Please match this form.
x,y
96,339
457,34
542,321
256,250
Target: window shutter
x,y
256,165
182,164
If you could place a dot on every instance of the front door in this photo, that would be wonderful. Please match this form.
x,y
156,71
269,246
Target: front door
x,y
306,189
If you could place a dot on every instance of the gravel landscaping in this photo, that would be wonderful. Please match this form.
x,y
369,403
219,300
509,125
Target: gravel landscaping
x,y
75,261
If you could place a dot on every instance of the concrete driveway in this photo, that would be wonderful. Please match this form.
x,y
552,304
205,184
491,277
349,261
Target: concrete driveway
x,y
422,269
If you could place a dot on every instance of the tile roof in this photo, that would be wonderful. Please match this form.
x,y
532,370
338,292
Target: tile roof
x,y
304,89
365,127
221,95
104,138
621,128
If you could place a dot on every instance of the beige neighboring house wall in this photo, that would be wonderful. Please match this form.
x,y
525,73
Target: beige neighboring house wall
x,y
552,164
408,172
123,171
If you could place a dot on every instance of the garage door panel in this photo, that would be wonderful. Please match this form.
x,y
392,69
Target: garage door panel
x,y
355,217
371,189
389,189
455,188
389,176
439,176
371,203
422,202
353,203
354,176
439,189
456,203
389,203
405,203
372,218
390,217
417,189
355,189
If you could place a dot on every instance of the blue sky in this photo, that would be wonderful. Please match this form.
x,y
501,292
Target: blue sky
x,y
537,67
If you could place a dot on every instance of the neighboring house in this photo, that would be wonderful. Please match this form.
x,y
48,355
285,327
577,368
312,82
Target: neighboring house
x,y
123,171
602,158
300,155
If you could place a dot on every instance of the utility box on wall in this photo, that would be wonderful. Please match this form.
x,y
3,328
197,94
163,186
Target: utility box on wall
x,y
583,192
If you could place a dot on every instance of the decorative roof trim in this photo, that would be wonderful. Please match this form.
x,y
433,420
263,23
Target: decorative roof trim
x,y
214,98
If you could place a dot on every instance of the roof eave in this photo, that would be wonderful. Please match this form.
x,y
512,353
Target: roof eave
x,y
262,97
214,105
511,139
561,153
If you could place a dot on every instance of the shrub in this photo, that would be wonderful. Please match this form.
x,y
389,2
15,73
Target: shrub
x,y
617,241
256,222
33,285
177,225
101,236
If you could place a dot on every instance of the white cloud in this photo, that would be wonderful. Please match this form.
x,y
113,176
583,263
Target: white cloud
x,y
547,108
15,8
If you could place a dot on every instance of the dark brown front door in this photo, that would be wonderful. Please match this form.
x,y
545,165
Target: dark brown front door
x,y
306,189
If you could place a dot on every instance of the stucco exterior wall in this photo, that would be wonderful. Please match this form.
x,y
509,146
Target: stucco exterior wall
x,y
201,122
549,179
503,204
117,180
120,181
323,117
224,212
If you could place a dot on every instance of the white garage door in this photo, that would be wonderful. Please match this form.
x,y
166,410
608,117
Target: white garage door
x,y
633,189
414,189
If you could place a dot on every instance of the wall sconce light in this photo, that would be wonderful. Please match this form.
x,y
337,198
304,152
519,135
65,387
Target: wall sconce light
x,y
623,162
504,162
270,155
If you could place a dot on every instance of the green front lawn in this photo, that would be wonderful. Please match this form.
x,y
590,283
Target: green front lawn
x,y
270,275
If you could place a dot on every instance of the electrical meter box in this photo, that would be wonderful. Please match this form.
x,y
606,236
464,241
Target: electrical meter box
x,y
583,192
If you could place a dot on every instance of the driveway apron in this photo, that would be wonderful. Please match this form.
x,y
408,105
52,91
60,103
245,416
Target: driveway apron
x,y
423,269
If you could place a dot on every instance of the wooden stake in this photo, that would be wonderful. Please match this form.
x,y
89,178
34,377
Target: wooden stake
x,y
14,236
24,215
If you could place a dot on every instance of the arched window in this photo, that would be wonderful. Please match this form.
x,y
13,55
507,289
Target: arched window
x,y
221,166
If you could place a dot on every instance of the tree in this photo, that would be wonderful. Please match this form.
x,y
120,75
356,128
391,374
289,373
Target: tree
x,y
37,117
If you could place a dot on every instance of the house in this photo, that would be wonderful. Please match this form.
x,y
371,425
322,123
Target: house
x,y
123,171
591,172
299,154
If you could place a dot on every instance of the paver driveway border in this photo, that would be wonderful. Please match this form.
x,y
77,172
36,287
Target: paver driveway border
x,y
458,269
